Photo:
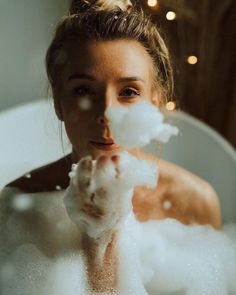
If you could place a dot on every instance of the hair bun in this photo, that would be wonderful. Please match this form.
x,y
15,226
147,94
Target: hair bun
x,y
81,6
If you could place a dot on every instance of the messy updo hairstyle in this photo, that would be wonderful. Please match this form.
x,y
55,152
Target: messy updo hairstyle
x,y
109,20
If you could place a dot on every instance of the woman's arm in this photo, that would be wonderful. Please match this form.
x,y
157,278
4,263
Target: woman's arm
x,y
193,199
179,194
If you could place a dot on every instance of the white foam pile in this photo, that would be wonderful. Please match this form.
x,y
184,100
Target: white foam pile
x,y
137,125
163,258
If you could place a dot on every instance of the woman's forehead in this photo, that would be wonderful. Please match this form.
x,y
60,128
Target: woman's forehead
x,y
113,57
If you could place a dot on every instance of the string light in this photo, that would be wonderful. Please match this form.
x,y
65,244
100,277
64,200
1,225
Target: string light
x,y
192,60
170,106
152,3
171,15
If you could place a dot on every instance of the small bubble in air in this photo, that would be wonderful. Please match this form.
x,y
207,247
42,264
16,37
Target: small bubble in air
x,y
84,103
58,188
28,175
22,202
166,205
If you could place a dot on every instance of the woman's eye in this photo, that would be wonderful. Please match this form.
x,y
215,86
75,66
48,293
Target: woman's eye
x,y
129,92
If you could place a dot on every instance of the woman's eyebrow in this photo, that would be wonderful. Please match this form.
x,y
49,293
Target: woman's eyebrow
x,y
130,79
92,78
81,76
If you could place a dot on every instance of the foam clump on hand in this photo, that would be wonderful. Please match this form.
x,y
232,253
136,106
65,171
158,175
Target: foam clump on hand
x,y
99,195
137,125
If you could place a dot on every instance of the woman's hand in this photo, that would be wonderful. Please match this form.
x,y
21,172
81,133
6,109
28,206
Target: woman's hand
x,y
97,199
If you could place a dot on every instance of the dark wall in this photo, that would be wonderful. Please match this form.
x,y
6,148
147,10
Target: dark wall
x,y
207,29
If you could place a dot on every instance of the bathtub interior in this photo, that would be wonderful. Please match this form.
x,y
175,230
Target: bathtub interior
x,y
30,137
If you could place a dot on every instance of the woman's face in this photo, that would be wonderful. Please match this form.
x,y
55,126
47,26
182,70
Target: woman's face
x,y
97,75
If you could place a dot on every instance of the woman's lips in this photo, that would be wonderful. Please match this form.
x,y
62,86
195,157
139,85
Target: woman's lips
x,y
104,146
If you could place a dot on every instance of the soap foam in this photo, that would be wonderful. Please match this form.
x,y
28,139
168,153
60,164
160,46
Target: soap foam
x,y
137,125
155,257
112,191
197,259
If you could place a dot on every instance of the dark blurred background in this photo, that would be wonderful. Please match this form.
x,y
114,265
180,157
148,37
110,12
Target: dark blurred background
x,y
202,40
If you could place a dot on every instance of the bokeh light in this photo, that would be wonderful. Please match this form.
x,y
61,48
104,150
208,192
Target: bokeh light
x,y
152,3
171,15
192,60
170,106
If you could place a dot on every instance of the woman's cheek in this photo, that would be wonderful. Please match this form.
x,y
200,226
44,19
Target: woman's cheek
x,y
73,116
80,109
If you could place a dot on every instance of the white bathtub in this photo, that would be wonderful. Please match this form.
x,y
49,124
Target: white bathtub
x,y
30,138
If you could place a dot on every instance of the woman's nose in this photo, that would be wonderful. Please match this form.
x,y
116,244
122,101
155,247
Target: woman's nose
x,y
108,100
103,120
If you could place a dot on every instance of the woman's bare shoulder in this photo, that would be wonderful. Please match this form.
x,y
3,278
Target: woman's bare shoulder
x,y
193,199
46,178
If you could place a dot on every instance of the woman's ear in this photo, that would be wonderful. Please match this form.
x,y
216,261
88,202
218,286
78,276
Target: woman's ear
x,y
156,101
156,98
57,106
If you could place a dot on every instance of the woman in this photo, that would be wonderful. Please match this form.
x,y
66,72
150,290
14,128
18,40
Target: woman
x,y
111,54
